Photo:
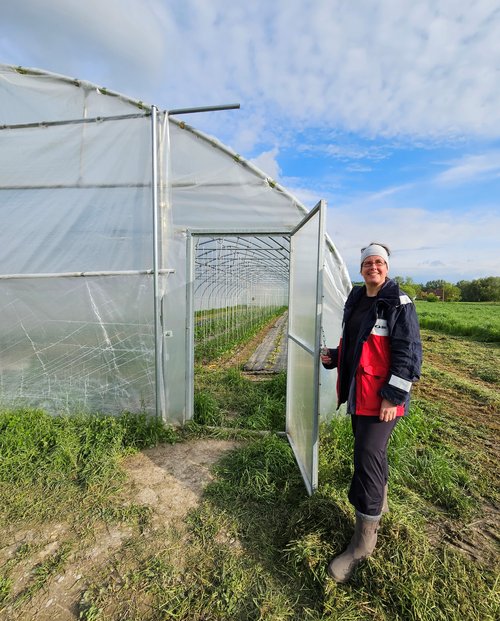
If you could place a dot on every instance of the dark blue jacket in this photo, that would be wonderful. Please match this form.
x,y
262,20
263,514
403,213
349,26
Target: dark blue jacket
x,y
387,357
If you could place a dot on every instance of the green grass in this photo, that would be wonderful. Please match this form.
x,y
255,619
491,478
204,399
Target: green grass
x,y
465,358
257,547
5,588
67,469
227,398
480,320
486,395
50,461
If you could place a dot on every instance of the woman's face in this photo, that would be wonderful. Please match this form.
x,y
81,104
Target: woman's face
x,y
374,271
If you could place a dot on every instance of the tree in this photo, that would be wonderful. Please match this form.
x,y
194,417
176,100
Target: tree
x,y
470,292
431,285
481,289
451,293
490,289
412,289
445,291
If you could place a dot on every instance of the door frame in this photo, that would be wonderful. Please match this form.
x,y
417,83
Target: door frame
x,y
191,234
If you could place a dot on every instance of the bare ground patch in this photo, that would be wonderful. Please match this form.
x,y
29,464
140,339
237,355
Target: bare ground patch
x,y
168,480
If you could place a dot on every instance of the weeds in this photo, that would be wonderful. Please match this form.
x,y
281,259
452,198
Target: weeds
x,y
206,409
261,470
229,399
43,572
5,588
220,331
258,546
487,395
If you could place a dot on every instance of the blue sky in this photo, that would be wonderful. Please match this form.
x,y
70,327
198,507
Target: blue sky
x,y
389,110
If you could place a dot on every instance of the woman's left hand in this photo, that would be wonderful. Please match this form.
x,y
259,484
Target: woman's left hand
x,y
388,411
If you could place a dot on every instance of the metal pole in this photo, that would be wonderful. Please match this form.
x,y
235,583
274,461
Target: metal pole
x,y
85,274
156,258
190,327
97,119
234,106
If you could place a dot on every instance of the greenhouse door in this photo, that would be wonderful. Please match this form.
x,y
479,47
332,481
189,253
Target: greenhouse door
x,y
305,307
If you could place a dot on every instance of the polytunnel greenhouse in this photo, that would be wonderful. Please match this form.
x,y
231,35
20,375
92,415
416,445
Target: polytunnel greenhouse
x,y
126,235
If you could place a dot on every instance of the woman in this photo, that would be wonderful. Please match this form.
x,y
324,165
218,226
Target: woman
x,y
378,358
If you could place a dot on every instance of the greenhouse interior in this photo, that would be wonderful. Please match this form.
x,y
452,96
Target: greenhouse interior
x,y
130,240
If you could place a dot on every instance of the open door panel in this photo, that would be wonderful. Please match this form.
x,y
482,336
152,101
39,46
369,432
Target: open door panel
x,y
305,307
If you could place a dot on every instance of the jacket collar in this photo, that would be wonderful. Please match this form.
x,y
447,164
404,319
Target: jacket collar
x,y
389,293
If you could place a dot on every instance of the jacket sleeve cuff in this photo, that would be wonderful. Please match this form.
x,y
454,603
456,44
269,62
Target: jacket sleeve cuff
x,y
393,394
399,382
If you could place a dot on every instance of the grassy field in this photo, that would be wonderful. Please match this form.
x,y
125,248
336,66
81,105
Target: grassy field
x,y
256,546
480,320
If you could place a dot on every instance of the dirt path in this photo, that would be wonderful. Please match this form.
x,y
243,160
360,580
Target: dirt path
x,y
271,354
266,350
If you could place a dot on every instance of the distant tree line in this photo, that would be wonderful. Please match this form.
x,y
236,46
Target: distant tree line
x,y
479,290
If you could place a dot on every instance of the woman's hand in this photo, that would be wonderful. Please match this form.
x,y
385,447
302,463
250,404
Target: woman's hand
x,y
325,356
388,411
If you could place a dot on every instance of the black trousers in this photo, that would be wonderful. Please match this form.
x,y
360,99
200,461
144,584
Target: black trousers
x,y
371,471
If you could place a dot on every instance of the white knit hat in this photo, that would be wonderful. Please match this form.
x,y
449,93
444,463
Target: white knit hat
x,y
375,250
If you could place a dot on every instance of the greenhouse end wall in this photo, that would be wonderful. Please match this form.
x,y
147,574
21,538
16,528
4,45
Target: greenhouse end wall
x,y
93,290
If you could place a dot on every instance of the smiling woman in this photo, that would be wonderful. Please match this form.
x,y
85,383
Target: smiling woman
x,y
374,267
378,359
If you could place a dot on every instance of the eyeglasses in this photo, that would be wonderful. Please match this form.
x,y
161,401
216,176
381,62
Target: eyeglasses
x,y
377,263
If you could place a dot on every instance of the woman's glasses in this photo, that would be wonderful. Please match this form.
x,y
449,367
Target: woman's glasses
x,y
377,263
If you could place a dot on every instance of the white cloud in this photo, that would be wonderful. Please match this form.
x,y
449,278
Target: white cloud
x,y
412,71
305,195
471,168
358,168
268,163
386,192
425,244
393,67
346,152
398,67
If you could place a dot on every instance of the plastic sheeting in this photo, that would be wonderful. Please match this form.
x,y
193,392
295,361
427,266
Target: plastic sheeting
x,y
76,196
78,344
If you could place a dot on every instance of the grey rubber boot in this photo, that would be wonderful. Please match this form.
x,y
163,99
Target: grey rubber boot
x,y
362,544
385,506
